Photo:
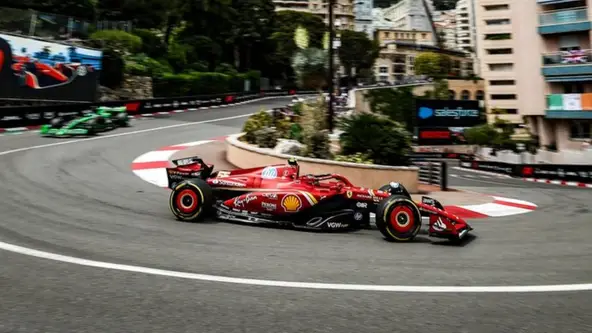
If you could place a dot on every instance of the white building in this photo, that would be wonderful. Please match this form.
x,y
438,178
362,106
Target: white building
x,y
363,16
445,22
465,25
410,15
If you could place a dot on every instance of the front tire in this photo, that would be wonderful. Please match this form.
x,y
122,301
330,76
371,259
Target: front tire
x,y
398,218
191,200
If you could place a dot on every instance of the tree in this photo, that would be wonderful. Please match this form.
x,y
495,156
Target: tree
x,y
357,51
397,104
432,64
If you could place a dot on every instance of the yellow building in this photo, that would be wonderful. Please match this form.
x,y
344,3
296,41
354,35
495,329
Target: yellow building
x,y
412,36
397,59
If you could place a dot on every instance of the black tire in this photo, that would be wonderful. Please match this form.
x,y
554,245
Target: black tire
x,y
121,119
398,218
56,122
191,200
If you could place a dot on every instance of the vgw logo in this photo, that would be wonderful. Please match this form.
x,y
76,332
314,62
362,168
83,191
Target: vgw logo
x,y
425,112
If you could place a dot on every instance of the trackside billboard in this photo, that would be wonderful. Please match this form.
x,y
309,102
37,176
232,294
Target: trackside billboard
x,y
448,113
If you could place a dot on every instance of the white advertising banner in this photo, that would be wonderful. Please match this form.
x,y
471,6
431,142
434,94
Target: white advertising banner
x,y
572,102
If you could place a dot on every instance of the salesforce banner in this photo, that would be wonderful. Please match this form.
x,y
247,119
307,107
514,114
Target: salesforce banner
x,y
448,113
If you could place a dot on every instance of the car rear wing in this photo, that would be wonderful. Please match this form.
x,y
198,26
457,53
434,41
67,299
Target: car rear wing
x,y
187,168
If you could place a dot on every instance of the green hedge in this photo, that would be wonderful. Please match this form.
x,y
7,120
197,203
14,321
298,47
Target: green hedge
x,y
200,83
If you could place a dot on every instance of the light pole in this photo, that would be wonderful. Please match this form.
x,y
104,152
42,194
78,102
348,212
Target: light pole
x,y
331,69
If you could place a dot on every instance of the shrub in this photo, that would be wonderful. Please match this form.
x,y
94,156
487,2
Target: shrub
x,y
295,132
152,44
145,66
382,140
354,158
117,40
317,145
283,127
266,137
255,123
196,83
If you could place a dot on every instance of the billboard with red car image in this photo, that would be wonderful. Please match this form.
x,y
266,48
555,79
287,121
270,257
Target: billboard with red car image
x,y
37,69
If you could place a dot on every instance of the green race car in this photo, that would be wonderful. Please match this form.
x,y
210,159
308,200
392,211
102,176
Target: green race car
x,y
100,120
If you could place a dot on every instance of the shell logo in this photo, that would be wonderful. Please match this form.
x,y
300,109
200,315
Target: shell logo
x,y
291,203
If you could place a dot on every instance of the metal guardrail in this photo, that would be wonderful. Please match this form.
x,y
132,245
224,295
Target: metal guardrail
x,y
433,173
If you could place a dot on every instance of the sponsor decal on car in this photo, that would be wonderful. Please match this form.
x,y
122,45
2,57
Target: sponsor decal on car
x,y
223,174
241,201
362,196
336,225
269,173
428,201
269,206
358,216
349,194
439,225
270,195
291,203
361,205
227,183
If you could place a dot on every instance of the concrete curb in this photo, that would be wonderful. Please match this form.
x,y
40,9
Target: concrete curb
x,y
558,182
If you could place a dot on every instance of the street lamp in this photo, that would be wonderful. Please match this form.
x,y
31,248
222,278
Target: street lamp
x,y
331,70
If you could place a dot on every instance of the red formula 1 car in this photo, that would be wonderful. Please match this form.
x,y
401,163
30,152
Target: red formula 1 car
x,y
279,195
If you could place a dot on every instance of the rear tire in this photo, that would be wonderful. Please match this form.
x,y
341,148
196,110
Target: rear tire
x,y
121,119
191,200
398,218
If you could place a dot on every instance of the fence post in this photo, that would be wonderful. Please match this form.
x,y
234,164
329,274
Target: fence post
x,y
444,176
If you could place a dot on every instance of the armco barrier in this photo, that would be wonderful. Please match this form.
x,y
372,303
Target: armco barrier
x,y
433,173
22,116
576,173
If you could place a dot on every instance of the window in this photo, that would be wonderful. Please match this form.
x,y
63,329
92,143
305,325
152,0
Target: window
x,y
502,82
496,7
451,94
501,67
580,129
479,95
503,96
499,51
465,95
511,111
497,22
383,69
498,36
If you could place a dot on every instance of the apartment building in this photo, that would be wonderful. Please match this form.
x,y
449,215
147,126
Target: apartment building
x,y
465,25
410,15
343,11
445,23
537,65
363,16
398,52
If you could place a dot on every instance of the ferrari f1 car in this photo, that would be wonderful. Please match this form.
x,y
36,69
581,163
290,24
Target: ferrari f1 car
x,y
101,120
279,195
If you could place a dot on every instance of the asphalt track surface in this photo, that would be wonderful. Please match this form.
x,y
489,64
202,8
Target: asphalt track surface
x,y
82,200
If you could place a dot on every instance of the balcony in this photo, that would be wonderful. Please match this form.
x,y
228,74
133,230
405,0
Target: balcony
x,y
567,65
554,2
569,106
561,21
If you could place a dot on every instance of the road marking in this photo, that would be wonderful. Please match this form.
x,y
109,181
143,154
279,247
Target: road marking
x,y
293,284
262,282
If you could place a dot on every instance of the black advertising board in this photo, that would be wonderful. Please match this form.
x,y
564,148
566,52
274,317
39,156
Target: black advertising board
x,y
448,113
32,69
573,172
576,173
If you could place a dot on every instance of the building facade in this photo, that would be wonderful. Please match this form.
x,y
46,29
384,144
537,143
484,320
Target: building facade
x,y
465,25
537,64
397,58
410,15
363,16
343,11
445,23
